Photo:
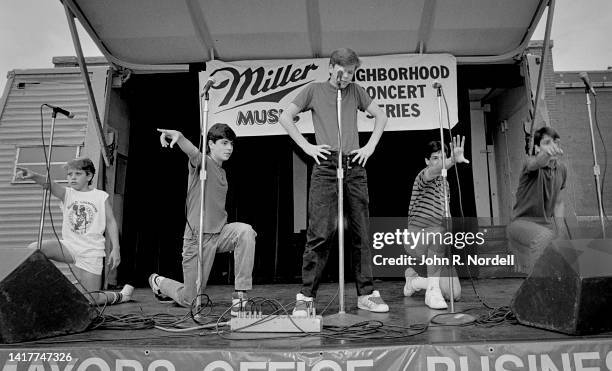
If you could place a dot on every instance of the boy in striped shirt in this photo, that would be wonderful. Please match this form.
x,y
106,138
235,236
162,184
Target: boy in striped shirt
x,y
425,215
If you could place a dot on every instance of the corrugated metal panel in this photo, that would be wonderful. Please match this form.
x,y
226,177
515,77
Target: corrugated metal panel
x,y
20,126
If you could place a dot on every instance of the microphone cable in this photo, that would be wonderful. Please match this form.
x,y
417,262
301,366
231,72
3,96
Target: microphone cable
x,y
605,152
450,130
48,181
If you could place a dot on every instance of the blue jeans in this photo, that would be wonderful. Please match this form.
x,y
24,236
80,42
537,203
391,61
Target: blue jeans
x,y
323,223
236,237
527,240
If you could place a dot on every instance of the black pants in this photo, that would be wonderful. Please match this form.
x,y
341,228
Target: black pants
x,y
323,223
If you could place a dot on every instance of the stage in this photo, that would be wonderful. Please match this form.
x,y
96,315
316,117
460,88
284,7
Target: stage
x,y
408,340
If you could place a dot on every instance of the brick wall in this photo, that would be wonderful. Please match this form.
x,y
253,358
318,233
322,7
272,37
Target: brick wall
x,y
573,126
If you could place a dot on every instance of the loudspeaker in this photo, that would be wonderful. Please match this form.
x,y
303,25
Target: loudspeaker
x,y
569,289
36,299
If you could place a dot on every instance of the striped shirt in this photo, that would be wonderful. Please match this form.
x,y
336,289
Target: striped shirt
x,y
426,209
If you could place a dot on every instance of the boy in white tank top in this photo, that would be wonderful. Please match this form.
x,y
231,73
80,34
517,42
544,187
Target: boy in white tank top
x,y
87,216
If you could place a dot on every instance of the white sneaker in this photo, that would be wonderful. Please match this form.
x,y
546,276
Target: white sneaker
x,y
156,290
303,305
372,302
434,299
409,288
127,292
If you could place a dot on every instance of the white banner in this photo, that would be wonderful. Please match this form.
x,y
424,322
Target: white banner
x,y
250,95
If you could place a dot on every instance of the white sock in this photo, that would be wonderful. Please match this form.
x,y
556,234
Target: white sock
x,y
433,283
420,283
113,297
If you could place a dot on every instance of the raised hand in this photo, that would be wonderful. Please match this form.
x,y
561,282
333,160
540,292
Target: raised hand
x,y
552,150
457,146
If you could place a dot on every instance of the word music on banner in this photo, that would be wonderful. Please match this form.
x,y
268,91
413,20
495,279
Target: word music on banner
x,y
251,95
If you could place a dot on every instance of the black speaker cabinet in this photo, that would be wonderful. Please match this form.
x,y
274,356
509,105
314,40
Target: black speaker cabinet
x,y
36,299
569,289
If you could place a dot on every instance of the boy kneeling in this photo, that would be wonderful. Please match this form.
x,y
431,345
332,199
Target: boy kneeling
x,y
425,214
218,235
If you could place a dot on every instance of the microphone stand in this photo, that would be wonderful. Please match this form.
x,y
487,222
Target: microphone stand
x,y
47,185
203,176
450,318
596,170
340,319
340,176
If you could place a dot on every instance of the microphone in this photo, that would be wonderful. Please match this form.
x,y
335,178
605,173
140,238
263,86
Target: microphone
x,y
68,114
339,75
209,83
436,85
587,83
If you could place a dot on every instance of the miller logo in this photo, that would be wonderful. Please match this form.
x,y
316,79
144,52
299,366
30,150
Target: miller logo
x,y
257,82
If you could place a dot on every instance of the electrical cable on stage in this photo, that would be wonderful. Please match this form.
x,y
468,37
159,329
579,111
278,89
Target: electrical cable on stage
x,y
142,321
130,321
259,301
330,302
497,316
374,330
371,329
208,304
368,330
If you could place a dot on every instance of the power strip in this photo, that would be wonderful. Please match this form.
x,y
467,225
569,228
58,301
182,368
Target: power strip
x,y
254,322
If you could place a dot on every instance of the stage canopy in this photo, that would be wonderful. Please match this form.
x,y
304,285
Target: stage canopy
x,y
148,34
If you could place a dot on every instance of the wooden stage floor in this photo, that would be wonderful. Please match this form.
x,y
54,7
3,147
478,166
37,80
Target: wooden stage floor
x,y
404,312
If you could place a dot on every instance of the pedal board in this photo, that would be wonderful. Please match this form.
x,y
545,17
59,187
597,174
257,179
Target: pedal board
x,y
257,322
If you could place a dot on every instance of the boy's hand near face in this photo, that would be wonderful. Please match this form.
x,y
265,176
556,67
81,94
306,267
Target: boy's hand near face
x,y
458,148
552,150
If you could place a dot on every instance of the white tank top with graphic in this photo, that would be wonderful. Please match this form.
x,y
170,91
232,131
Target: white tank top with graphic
x,y
84,221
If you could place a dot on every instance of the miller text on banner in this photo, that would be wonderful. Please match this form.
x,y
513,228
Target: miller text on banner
x,y
250,95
